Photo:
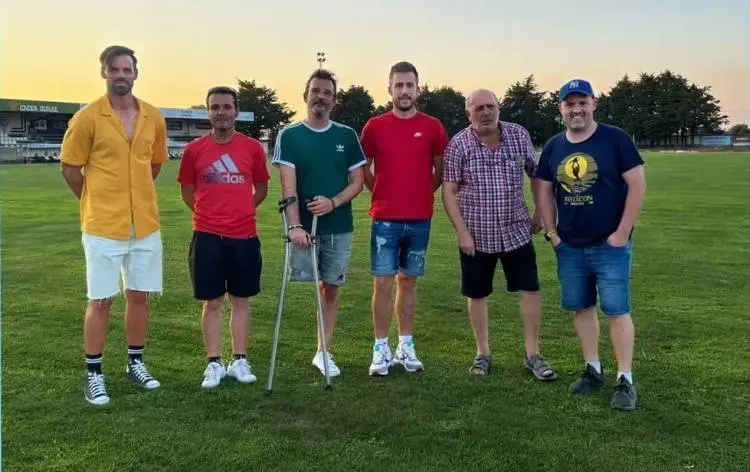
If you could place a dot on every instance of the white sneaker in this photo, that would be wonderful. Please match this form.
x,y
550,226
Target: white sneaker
x,y
382,359
213,374
95,390
407,357
240,370
333,370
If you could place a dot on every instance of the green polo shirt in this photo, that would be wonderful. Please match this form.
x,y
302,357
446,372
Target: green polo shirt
x,y
322,160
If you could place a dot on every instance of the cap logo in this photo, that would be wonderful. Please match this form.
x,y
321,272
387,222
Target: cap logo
x,y
573,84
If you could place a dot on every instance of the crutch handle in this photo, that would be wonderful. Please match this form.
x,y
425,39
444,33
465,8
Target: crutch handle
x,y
286,202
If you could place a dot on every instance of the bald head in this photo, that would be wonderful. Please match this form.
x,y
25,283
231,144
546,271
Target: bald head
x,y
480,95
482,108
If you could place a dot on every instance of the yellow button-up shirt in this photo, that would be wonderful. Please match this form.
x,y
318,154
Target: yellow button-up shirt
x,y
118,196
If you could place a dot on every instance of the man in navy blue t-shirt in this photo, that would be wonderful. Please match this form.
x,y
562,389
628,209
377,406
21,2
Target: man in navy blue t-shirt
x,y
592,185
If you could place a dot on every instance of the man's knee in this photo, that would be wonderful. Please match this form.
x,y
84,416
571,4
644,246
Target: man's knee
x,y
135,297
239,303
214,305
406,282
99,307
383,283
329,293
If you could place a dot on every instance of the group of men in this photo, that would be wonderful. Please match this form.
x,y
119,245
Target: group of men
x,y
588,187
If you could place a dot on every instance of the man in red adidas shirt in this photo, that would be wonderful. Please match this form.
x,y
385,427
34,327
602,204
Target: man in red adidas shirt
x,y
406,147
223,178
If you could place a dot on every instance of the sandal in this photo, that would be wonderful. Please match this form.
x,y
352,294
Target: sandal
x,y
481,365
540,368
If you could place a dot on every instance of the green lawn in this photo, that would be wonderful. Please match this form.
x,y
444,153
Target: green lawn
x,y
692,367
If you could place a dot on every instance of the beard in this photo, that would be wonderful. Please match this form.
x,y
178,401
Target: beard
x,y
121,88
405,103
319,109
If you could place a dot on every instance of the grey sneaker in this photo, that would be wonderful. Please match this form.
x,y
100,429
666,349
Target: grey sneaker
x,y
625,396
540,368
95,390
137,373
482,365
590,380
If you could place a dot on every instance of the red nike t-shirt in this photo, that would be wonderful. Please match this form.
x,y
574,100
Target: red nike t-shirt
x,y
403,152
223,175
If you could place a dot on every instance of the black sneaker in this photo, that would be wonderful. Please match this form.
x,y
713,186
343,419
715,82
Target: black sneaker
x,y
95,390
137,373
625,396
590,380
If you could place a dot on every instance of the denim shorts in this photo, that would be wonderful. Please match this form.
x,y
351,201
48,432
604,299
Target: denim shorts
x,y
399,246
602,269
333,252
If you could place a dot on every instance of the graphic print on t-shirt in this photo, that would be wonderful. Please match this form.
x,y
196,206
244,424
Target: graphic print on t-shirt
x,y
577,173
223,171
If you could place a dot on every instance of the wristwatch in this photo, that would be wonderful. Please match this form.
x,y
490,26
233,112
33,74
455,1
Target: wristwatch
x,y
548,235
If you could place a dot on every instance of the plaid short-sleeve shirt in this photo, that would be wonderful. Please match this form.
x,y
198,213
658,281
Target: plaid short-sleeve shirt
x,y
491,186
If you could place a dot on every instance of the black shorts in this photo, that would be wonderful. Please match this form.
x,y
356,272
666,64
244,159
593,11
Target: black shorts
x,y
219,265
519,266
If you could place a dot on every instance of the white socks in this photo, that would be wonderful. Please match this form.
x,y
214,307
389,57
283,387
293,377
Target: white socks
x,y
596,365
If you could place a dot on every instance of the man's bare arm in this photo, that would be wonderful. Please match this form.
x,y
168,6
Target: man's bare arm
x,y
368,175
188,195
155,169
636,180
546,204
450,202
437,172
74,178
288,176
260,192
356,184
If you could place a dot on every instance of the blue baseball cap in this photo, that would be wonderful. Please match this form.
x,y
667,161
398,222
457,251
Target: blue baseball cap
x,y
579,86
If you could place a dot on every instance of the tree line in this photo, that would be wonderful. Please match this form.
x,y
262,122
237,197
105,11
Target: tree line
x,y
662,109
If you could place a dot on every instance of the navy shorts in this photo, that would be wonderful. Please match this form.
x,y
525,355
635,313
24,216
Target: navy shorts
x,y
220,265
519,267
602,270
399,246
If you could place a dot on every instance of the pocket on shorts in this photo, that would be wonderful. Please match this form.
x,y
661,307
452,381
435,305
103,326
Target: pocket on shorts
x,y
335,255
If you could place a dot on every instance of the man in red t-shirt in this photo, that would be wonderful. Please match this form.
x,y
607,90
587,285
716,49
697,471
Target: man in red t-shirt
x,y
223,178
406,147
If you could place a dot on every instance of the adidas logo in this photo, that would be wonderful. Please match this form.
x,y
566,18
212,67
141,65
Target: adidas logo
x,y
417,134
223,171
339,148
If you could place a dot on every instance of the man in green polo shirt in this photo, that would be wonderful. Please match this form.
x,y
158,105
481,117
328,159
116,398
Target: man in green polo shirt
x,y
320,163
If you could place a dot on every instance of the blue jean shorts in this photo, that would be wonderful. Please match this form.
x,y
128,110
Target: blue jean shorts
x,y
399,246
333,252
602,269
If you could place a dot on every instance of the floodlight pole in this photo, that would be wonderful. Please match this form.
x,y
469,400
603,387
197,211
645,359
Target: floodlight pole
x,y
321,58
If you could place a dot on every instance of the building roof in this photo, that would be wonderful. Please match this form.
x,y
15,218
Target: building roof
x,y
69,108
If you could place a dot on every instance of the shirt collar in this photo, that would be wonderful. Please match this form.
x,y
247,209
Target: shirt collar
x,y
476,136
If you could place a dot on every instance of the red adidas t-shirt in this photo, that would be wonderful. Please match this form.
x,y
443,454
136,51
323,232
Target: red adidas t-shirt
x,y
223,175
403,151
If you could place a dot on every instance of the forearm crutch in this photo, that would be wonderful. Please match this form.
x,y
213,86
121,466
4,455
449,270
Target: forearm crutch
x,y
321,318
284,279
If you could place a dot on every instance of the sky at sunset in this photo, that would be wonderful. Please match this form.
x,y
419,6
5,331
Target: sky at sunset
x,y
49,49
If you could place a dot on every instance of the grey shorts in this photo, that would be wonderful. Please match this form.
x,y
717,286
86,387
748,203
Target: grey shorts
x,y
333,252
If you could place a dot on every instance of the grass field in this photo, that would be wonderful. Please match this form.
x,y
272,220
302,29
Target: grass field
x,y
692,364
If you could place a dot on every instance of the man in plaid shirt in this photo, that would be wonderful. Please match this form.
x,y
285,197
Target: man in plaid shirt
x,y
483,194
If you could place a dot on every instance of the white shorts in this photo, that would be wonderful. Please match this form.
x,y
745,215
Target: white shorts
x,y
137,261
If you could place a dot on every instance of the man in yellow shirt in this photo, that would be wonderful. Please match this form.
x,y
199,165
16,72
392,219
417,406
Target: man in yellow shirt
x,y
111,153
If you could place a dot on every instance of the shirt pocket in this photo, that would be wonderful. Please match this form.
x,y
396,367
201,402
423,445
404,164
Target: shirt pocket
x,y
513,170
475,171
143,147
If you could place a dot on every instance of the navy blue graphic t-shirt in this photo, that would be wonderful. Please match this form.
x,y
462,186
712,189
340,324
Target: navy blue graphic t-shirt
x,y
588,185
